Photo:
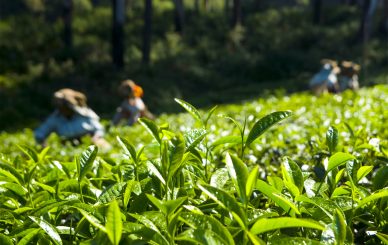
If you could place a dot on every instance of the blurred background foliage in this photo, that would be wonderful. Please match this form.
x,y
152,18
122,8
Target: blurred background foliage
x,y
216,56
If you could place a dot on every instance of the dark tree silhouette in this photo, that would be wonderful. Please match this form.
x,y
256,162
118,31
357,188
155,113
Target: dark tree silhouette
x,y
67,15
118,9
236,13
179,16
368,11
317,11
147,32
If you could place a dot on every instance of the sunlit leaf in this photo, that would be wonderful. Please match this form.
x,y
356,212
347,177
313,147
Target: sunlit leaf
x,y
223,199
204,222
48,228
374,196
190,109
276,196
128,148
5,240
264,225
339,227
151,127
86,160
238,172
363,171
114,224
338,159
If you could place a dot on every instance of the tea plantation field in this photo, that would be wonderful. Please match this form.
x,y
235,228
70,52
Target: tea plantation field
x,y
294,169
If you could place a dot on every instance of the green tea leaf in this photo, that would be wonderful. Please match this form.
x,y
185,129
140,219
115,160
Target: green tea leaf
x,y
152,128
332,138
132,186
363,171
381,178
265,123
209,114
225,200
383,237
194,142
339,159
128,148
276,196
48,228
11,173
86,160
30,152
264,225
112,192
27,238
230,139
205,222
92,219
114,224
292,173
167,207
251,181
190,109
5,240
374,196
239,175
339,227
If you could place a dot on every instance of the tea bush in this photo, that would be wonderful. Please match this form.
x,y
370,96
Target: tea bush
x,y
277,170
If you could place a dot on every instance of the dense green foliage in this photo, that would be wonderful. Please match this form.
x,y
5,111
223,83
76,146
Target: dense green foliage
x,y
280,170
210,63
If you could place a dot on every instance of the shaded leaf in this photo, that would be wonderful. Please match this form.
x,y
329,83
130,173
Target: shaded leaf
x,y
292,173
27,238
374,196
332,138
265,123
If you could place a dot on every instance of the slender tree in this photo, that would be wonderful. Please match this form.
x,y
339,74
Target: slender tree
x,y
147,32
67,16
384,21
317,11
118,9
179,16
368,11
206,5
236,13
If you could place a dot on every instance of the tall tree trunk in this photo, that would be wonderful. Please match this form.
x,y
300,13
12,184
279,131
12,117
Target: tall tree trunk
x,y
368,11
206,5
118,9
317,11
67,14
236,13
384,21
179,16
147,32
196,6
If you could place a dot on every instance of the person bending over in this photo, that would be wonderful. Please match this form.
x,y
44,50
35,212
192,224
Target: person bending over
x,y
71,120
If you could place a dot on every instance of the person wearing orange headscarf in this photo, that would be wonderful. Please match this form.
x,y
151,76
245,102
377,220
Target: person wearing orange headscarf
x,y
132,107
